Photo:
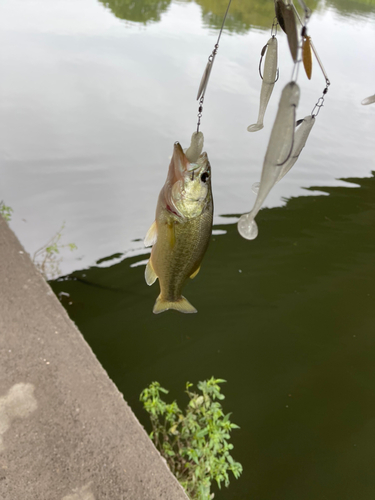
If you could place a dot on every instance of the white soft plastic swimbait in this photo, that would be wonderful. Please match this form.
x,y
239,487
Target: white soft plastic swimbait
x,y
300,137
368,100
269,78
278,152
195,149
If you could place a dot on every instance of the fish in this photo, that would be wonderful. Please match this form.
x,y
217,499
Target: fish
x,y
368,100
269,78
278,152
182,228
300,137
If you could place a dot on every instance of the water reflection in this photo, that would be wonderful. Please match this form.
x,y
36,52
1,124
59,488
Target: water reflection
x,y
138,11
289,317
242,16
352,7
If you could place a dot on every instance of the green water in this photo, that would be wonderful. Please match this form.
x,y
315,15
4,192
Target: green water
x,y
94,95
288,320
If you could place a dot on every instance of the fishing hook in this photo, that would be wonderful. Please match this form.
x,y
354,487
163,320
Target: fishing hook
x,y
263,51
291,147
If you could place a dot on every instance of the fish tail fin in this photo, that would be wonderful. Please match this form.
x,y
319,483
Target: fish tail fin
x,y
255,127
182,305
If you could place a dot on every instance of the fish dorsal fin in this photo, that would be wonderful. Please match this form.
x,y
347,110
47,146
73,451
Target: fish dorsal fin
x,y
150,275
195,273
152,235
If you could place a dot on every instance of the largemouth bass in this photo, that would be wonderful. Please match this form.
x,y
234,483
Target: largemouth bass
x,y
269,78
182,228
278,153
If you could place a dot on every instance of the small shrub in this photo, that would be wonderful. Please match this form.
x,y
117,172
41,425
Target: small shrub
x,y
195,444
5,211
47,260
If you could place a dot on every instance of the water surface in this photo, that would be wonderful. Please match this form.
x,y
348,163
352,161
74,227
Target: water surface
x,y
93,95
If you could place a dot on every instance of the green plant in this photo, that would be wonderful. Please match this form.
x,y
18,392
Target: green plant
x,y
195,444
5,211
46,259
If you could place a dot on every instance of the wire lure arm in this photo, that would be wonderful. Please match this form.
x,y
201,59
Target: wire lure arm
x,y
207,72
311,44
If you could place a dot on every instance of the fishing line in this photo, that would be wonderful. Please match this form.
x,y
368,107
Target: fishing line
x,y
207,71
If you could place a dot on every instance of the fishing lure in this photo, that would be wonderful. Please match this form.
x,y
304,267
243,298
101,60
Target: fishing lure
x,y
286,19
368,100
307,56
300,137
195,149
269,79
278,152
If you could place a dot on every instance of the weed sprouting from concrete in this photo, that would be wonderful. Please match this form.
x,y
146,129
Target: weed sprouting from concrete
x,y
195,443
47,259
5,211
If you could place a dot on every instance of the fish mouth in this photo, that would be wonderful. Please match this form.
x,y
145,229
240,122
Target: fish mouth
x,y
182,164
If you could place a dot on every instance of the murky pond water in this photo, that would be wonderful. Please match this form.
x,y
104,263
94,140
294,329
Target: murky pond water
x,y
93,96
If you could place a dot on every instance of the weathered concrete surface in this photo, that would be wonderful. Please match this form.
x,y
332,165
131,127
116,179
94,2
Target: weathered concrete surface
x,y
66,432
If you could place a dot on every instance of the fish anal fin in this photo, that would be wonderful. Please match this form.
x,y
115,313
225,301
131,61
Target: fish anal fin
x,y
195,273
150,275
152,235
182,305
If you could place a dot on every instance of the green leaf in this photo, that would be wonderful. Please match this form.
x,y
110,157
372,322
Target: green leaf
x,y
195,442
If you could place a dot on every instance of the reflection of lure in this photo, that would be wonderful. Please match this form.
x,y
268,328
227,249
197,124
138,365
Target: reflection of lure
x,y
269,76
368,100
182,228
300,138
278,152
287,20
307,56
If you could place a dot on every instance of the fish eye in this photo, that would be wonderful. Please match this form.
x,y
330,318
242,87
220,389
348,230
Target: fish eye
x,y
205,176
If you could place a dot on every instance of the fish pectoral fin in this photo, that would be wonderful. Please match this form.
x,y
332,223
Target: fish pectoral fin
x,y
150,275
182,305
152,235
195,273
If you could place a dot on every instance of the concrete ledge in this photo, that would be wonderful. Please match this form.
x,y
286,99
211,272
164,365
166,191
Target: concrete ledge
x,y
66,432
